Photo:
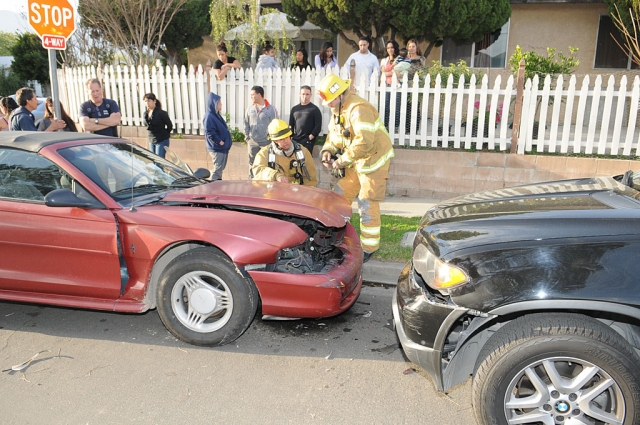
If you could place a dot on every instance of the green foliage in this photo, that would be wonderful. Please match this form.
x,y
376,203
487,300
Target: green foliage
x,y
431,20
621,9
457,70
463,21
7,39
551,64
392,230
363,17
236,134
625,14
185,31
30,59
226,15
9,82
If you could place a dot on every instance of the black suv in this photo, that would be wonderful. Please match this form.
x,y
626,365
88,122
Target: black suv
x,y
535,291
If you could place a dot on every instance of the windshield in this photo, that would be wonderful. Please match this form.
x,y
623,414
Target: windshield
x,y
124,170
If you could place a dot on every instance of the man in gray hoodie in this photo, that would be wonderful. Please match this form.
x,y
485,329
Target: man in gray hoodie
x,y
256,120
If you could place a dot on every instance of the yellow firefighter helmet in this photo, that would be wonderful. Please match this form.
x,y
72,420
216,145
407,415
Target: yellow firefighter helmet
x,y
278,130
331,87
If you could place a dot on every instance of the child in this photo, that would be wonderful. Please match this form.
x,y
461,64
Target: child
x,y
401,64
268,59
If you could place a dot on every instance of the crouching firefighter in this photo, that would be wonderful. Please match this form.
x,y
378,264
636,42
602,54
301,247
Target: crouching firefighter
x,y
359,145
284,160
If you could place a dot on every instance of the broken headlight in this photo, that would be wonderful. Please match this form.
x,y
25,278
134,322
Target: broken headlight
x,y
435,272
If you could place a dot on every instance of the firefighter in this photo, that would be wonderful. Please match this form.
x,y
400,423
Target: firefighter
x,y
284,160
359,148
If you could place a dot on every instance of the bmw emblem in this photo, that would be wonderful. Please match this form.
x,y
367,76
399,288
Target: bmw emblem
x,y
562,407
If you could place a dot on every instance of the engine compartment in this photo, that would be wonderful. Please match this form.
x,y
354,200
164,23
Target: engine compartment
x,y
318,254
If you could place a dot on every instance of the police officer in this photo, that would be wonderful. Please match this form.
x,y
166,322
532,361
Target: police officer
x,y
359,147
284,160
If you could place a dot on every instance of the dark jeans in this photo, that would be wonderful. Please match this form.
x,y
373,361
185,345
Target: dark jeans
x,y
407,127
159,148
387,109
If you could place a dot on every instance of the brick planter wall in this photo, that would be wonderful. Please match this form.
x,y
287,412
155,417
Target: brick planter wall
x,y
437,174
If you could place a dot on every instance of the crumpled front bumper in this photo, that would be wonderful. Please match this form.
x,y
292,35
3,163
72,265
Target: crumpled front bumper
x,y
314,295
422,323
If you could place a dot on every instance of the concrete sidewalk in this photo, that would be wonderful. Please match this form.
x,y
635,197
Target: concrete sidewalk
x,y
381,272
404,206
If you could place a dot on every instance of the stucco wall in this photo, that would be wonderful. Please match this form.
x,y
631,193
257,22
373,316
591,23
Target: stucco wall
x,y
425,173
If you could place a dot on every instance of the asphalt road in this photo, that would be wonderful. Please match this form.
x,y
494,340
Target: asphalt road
x,y
107,368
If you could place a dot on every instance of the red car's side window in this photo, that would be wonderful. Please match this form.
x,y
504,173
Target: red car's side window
x,y
27,175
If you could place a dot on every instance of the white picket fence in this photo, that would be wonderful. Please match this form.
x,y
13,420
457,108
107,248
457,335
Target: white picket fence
x,y
457,115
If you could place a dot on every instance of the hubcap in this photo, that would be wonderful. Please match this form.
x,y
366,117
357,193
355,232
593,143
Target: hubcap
x,y
563,390
202,301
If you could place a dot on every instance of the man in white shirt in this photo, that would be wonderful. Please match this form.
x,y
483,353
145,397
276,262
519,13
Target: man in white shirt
x,y
365,61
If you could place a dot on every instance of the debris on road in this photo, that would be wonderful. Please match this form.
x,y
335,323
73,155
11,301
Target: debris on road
x,y
24,365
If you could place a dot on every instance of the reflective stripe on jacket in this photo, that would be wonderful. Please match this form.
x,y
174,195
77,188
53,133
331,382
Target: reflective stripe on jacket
x,y
368,147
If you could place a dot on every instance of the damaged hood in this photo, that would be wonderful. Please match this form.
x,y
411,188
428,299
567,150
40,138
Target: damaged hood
x,y
321,205
554,210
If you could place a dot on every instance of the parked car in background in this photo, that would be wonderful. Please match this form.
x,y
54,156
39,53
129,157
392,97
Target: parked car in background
x,y
535,292
97,222
38,114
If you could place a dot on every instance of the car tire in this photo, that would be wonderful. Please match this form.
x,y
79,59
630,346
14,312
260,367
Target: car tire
x,y
555,369
204,300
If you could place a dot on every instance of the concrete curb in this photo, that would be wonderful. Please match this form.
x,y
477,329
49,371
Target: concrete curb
x,y
381,272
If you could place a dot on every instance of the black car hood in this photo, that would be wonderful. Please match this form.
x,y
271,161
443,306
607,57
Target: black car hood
x,y
562,209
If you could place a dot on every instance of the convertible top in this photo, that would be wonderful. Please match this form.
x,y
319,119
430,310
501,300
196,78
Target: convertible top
x,y
35,140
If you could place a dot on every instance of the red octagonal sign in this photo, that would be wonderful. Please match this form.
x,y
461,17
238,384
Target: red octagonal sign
x,y
53,20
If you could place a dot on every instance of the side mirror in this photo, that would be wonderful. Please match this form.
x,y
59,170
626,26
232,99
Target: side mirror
x,y
65,198
201,173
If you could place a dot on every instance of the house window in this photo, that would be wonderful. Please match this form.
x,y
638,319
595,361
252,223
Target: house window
x,y
491,52
608,52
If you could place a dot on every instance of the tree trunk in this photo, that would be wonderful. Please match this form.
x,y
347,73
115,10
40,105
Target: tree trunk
x,y
429,48
172,57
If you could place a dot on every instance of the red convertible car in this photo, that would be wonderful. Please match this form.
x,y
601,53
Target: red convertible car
x,y
97,222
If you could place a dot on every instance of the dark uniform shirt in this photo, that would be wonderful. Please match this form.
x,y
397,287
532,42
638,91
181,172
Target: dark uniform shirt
x,y
106,108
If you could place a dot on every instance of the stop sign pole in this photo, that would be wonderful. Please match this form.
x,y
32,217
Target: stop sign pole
x,y
54,21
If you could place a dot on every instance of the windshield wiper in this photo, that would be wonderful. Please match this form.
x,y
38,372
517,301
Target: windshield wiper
x,y
186,179
143,187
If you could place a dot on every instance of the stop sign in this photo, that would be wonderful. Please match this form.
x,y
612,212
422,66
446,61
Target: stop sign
x,y
53,20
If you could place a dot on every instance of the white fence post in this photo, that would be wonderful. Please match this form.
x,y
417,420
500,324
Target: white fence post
x,y
417,116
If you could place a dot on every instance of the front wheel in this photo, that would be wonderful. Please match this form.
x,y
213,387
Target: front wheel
x,y
204,300
557,369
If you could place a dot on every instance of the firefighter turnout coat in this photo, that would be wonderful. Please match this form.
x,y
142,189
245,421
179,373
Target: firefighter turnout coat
x,y
365,149
284,165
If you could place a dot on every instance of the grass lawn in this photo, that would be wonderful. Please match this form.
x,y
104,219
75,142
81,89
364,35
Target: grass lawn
x,y
391,232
